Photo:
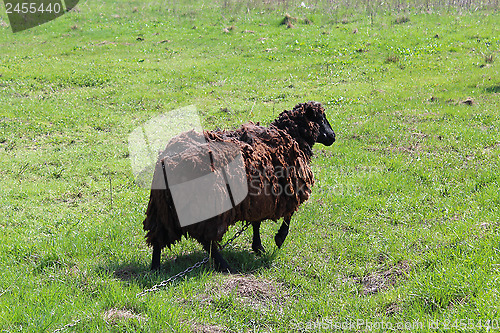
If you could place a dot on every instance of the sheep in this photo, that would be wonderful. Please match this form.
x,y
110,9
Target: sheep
x,y
276,160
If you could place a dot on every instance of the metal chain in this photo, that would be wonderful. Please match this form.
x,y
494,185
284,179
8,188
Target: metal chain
x,y
164,283
236,235
173,278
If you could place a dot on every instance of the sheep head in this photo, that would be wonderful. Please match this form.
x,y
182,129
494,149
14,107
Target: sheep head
x,y
307,124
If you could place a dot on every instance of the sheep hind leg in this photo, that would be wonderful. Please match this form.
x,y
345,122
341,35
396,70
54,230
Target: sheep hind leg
x,y
282,232
155,262
221,264
256,242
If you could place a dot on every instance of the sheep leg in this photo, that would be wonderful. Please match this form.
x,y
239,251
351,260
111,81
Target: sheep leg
x,y
282,232
256,243
155,262
221,264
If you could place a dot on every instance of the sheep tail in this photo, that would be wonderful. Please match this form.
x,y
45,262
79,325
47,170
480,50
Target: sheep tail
x,y
160,224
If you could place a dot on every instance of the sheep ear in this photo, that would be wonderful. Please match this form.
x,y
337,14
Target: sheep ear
x,y
310,111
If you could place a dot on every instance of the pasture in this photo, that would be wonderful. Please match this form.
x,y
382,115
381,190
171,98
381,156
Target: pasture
x,y
402,227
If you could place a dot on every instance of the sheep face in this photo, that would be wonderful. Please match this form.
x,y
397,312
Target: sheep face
x,y
326,134
315,113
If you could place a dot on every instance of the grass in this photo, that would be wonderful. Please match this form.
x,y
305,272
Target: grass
x,y
403,223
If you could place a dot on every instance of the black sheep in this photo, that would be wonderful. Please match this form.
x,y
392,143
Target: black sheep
x,y
277,169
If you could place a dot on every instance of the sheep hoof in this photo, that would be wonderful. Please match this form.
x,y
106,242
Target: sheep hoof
x,y
279,241
259,250
225,270
222,266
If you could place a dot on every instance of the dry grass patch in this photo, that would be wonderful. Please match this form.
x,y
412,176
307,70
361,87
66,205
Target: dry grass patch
x,y
228,29
114,316
257,293
250,287
383,280
288,20
392,308
391,58
207,328
489,58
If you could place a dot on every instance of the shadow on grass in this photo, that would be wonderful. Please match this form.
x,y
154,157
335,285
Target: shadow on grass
x,y
242,260
493,89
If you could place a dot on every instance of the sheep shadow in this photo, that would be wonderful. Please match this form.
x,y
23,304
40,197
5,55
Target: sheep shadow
x,y
243,261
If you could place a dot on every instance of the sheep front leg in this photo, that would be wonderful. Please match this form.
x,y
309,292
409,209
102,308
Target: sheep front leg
x,y
221,264
256,243
155,262
283,231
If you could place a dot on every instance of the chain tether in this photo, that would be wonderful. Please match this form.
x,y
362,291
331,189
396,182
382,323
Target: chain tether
x,y
164,283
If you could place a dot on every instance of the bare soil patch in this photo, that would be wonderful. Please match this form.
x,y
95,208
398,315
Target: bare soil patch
x,y
257,293
383,280
113,316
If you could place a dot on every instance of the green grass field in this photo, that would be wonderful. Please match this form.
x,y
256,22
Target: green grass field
x,y
403,224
